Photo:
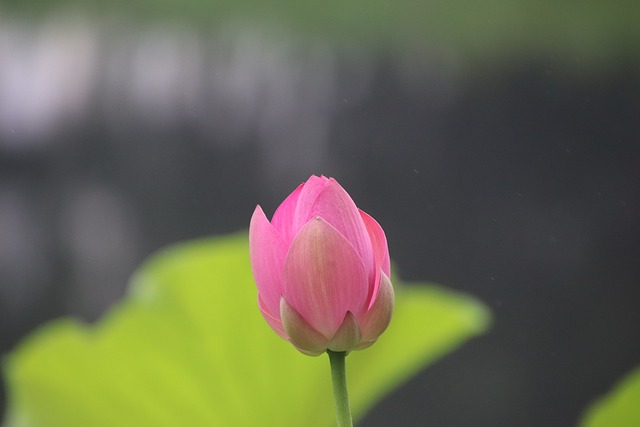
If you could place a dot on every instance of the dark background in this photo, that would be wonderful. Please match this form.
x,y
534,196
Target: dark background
x,y
513,177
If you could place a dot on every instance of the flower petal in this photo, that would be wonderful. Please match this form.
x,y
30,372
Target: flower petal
x,y
267,251
295,211
282,219
304,208
301,334
380,252
336,207
379,242
375,321
348,335
324,277
274,322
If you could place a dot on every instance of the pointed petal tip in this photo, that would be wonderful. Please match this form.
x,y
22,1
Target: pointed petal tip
x,y
257,212
302,335
318,178
348,335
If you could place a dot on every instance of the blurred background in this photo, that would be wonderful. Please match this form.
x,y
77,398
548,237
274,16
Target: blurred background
x,y
498,144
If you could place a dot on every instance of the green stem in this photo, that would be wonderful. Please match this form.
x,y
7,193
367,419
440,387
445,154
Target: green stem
x,y
340,395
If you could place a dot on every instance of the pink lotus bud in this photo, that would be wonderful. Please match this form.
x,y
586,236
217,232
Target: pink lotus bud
x,y
322,270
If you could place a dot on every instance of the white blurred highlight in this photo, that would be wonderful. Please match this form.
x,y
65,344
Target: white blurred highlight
x,y
46,77
243,85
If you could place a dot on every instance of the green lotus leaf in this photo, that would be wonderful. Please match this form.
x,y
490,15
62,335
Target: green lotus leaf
x,y
619,408
188,347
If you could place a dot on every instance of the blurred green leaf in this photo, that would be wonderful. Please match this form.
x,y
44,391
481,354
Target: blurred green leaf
x,y
570,31
619,408
189,348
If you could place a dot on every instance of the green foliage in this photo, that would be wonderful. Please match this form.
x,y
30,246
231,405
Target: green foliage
x,y
619,408
573,30
188,347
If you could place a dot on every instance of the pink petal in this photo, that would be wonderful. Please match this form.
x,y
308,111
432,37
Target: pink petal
x,y
380,252
336,207
324,277
304,208
267,251
273,321
295,211
283,217
378,241
374,322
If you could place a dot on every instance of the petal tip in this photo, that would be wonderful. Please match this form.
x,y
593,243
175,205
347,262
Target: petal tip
x,y
302,335
348,335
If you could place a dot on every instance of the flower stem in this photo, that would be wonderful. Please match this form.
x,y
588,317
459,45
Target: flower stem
x,y
340,395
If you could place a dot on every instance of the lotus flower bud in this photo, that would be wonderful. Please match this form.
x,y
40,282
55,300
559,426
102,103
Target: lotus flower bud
x,y
322,270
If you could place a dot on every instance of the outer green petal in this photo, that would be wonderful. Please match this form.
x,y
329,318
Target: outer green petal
x,y
348,335
301,334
